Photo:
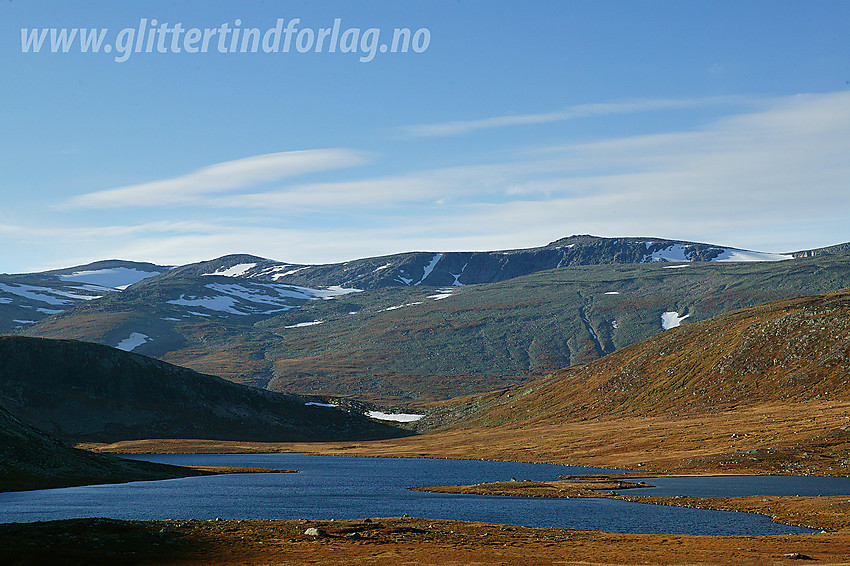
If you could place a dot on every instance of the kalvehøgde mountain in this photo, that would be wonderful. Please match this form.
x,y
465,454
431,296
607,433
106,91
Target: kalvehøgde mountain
x,y
791,351
409,328
764,389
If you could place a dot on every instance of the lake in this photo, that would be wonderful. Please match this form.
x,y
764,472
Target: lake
x,y
329,487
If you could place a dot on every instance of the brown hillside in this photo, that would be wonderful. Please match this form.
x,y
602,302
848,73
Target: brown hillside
x,y
787,351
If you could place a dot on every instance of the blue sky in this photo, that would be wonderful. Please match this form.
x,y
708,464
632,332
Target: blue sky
x,y
517,124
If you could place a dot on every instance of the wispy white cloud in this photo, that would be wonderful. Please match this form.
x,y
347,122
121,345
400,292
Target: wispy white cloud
x,y
578,111
774,179
220,178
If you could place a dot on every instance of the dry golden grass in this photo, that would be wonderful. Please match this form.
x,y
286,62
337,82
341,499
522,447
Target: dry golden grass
x,y
769,438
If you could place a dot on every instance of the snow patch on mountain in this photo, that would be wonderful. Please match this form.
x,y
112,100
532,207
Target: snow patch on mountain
x,y
113,278
396,417
443,294
47,311
257,298
457,283
133,341
331,292
303,324
238,270
671,319
674,252
286,269
42,294
402,306
219,303
730,254
430,267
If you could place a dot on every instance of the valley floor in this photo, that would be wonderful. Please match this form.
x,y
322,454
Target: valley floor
x,y
796,438
778,438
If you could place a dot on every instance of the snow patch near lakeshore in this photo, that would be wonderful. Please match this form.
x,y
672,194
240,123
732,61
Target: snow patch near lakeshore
x,y
133,341
675,266
395,417
612,292
314,404
671,319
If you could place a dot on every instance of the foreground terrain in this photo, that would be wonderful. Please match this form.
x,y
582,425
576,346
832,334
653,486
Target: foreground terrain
x,y
389,541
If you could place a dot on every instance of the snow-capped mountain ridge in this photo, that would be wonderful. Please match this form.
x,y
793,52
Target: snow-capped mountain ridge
x,y
424,323
248,285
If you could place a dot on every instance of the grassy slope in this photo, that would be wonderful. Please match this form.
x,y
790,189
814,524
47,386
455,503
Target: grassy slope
x,y
787,351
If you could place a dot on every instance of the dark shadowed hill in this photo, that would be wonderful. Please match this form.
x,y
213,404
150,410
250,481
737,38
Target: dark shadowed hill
x,y
80,391
31,459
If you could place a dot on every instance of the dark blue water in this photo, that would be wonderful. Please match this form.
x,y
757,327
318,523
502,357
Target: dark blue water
x,y
353,488
740,486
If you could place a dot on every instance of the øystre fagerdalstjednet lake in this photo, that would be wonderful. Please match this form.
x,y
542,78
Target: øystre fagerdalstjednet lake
x,y
349,488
